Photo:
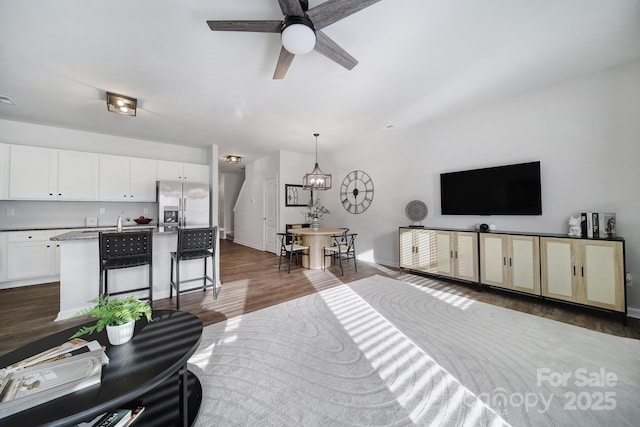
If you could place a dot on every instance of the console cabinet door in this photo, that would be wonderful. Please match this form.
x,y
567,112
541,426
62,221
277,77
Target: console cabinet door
x,y
444,253
602,274
407,248
493,255
559,268
466,256
589,272
524,263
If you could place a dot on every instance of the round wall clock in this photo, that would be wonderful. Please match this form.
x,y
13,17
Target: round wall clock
x,y
356,192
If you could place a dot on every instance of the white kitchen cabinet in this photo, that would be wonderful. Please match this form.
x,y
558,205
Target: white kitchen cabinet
x,y
77,175
30,254
584,271
127,179
37,173
4,171
33,173
510,261
176,171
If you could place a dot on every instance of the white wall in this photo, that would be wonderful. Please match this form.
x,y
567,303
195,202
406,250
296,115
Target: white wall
x,y
250,206
293,167
230,184
585,132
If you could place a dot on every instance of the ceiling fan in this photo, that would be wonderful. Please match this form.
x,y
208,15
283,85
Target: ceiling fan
x,y
301,30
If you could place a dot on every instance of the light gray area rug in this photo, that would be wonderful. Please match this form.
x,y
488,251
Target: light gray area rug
x,y
381,351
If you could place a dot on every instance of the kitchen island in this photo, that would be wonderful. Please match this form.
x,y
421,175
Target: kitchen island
x,y
80,269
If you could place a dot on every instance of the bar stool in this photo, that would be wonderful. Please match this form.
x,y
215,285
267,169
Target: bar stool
x,y
194,243
125,250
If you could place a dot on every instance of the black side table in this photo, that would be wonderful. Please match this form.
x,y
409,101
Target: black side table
x,y
152,368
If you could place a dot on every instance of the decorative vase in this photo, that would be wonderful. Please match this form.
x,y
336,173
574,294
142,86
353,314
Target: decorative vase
x,y
315,224
120,334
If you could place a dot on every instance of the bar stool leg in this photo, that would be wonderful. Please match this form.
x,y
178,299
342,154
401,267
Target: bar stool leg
x,y
177,284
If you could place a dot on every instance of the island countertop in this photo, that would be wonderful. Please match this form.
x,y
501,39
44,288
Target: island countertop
x,y
93,234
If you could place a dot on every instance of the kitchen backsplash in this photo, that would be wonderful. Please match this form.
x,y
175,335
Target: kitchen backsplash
x,y
69,214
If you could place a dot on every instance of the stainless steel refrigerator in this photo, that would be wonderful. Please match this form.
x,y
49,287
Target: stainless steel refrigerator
x,y
183,204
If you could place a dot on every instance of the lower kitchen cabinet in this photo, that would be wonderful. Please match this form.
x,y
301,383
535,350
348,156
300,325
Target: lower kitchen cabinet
x,y
583,271
31,254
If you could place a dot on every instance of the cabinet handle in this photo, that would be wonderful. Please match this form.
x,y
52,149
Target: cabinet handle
x,y
450,254
574,270
582,271
456,254
48,246
30,236
509,262
51,194
504,260
59,194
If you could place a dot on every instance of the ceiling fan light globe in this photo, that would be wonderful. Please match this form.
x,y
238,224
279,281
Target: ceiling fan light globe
x,y
298,39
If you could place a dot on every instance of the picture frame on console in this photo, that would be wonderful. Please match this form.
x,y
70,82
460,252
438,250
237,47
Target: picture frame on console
x,y
296,195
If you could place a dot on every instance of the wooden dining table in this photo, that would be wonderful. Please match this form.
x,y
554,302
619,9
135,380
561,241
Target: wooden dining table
x,y
316,240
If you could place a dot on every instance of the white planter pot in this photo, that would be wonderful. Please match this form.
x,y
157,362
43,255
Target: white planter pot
x,y
315,225
120,334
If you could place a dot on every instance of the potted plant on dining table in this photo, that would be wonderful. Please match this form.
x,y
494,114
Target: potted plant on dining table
x,y
314,213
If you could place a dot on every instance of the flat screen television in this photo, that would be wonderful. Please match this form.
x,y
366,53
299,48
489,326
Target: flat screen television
x,y
503,190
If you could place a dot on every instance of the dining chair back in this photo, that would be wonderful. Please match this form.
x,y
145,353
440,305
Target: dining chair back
x,y
343,248
289,245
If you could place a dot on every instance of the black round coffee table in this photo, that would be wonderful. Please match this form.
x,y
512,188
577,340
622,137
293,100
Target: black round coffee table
x,y
151,368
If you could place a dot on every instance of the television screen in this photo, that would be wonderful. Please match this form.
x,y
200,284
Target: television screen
x,y
502,190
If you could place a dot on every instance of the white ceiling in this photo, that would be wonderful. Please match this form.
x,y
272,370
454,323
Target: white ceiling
x,y
418,60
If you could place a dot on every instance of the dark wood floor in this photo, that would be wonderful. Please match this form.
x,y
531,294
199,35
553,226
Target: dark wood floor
x,y
251,281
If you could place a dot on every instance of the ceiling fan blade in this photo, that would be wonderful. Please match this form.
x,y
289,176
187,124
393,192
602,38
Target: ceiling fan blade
x,y
284,60
331,50
291,7
334,10
253,26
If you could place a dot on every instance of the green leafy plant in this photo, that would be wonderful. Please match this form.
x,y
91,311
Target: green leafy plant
x,y
315,210
113,312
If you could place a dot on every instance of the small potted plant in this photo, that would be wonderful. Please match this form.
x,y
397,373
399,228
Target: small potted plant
x,y
315,211
117,315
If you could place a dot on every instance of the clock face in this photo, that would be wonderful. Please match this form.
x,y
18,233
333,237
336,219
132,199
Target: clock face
x,y
356,192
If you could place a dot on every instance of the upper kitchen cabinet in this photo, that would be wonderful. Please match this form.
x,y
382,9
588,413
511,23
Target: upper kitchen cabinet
x,y
37,173
176,171
4,171
127,179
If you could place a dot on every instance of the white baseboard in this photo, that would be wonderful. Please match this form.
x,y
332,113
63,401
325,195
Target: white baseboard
x,y
633,312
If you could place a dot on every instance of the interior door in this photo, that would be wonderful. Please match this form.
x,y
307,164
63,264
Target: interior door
x,y
270,218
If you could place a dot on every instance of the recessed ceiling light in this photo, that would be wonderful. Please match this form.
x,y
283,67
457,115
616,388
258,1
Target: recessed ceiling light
x,y
387,127
7,100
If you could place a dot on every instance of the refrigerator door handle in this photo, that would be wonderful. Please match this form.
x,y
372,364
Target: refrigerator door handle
x,y
184,211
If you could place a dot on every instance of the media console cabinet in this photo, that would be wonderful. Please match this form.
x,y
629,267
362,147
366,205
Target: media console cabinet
x,y
584,271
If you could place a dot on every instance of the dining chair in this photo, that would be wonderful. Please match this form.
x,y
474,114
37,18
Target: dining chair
x,y
127,249
288,246
343,247
194,244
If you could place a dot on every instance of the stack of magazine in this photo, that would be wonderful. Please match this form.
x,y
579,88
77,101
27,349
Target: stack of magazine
x,y
53,373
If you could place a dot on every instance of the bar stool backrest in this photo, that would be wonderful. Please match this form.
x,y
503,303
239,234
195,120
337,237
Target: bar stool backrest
x,y
114,246
196,241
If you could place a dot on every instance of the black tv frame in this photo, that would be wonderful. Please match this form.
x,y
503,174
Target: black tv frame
x,y
513,189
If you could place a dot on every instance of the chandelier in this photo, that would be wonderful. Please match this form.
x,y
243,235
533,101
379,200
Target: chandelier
x,y
316,179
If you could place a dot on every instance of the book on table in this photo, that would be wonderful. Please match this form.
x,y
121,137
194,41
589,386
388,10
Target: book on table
x,y
51,374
